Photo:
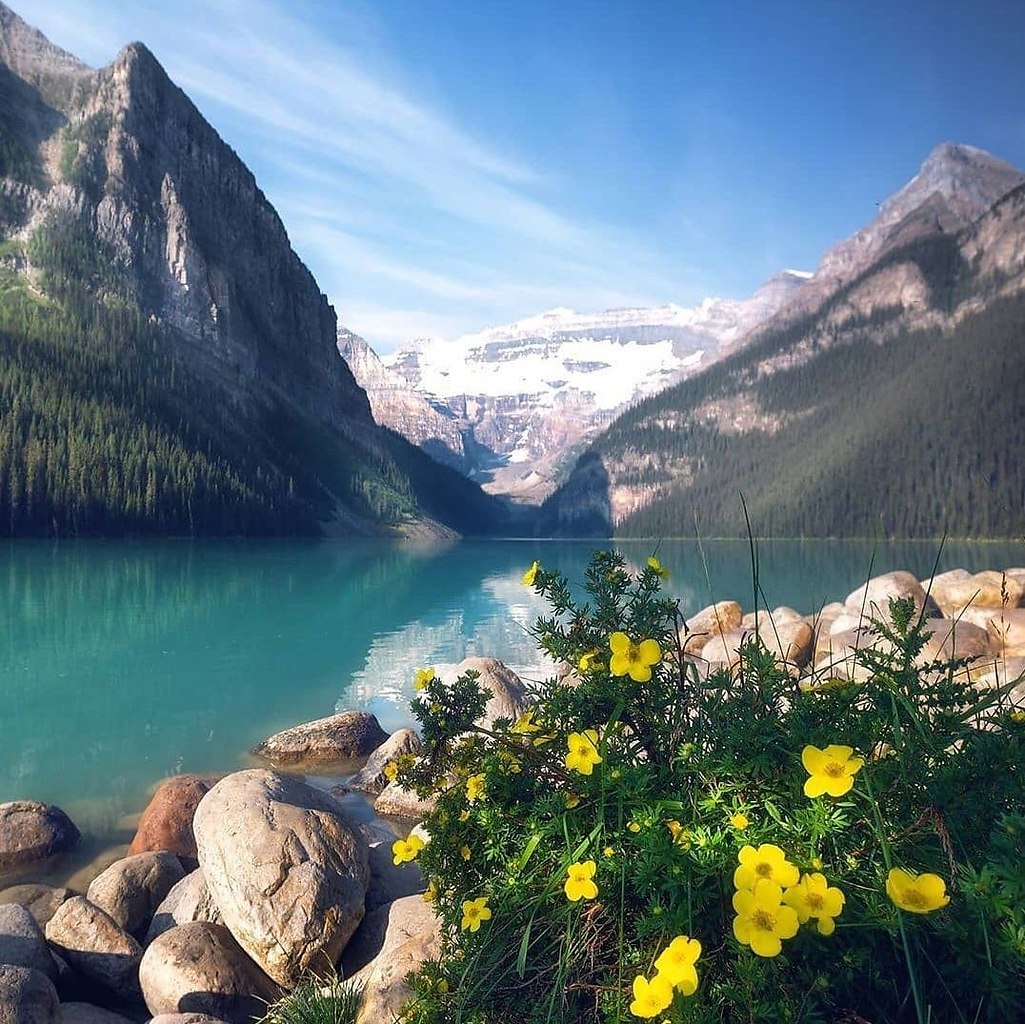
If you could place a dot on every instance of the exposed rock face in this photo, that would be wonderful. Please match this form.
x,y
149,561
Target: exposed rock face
x,y
199,968
93,943
332,740
27,997
286,869
131,889
511,405
166,823
31,831
189,900
22,943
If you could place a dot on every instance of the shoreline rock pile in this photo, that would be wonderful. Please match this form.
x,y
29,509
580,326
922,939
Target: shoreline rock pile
x,y
235,887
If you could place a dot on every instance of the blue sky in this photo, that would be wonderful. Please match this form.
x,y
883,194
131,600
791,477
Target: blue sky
x,y
445,165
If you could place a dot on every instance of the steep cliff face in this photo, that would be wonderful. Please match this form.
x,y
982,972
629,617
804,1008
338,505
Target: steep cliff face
x,y
116,194
860,407
513,406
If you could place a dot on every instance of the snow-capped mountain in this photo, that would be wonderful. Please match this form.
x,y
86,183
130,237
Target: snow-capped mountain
x,y
511,406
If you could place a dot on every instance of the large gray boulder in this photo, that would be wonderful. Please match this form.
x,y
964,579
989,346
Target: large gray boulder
x,y
27,997
22,943
371,778
334,740
954,592
189,900
199,968
132,888
95,945
286,868
86,1013
31,831
875,595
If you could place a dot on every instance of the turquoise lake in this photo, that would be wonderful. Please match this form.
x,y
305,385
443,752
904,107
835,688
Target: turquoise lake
x,y
122,663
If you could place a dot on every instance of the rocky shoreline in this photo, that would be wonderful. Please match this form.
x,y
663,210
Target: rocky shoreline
x,y
235,887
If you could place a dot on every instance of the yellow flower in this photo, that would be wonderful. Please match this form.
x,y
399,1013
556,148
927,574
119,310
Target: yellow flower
x,y
406,849
583,751
391,770
442,985
423,677
633,659
918,894
656,566
475,911
768,863
464,852
579,884
762,919
608,851
812,897
464,815
1018,717
572,800
831,770
431,893
531,574
682,837
587,661
634,826
739,821
676,964
525,724
475,787
650,997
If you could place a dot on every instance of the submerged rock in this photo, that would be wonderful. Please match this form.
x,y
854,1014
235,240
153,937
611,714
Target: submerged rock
x,y
332,740
371,778
31,831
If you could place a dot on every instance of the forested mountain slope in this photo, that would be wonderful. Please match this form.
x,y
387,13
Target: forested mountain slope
x,y
167,363
893,408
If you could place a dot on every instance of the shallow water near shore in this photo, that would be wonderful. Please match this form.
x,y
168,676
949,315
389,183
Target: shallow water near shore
x,y
123,663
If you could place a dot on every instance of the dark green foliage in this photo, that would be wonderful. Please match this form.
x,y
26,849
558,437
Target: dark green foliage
x,y
918,435
15,160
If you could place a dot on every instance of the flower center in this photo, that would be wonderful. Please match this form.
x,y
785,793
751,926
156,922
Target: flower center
x,y
834,770
633,652
764,870
814,900
914,898
763,920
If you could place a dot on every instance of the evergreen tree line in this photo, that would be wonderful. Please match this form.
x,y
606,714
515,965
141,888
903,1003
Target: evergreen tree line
x,y
915,436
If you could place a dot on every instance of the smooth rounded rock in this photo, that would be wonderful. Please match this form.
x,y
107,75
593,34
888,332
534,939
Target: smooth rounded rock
x,y
371,778
31,831
95,945
714,620
166,823
395,801
875,595
507,694
185,1018
86,1013
41,900
384,929
132,888
333,740
189,900
987,589
22,943
27,997
388,881
286,868
199,968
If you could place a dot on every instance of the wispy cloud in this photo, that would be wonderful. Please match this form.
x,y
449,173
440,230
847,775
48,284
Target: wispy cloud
x,y
390,200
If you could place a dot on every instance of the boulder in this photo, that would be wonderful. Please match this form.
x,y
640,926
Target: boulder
x,y
132,888
874,596
166,823
395,801
95,945
286,868
41,900
22,943
988,589
714,620
388,881
334,740
199,968
371,778
411,938
185,1018
789,641
954,639
189,900
1003,671
1006,627
508,695
86,1013
31,831
384,930
27,997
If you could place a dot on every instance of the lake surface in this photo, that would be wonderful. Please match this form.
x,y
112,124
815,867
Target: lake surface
x,y
122,663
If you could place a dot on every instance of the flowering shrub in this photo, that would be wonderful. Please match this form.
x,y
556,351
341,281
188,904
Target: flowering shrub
x,y
648,843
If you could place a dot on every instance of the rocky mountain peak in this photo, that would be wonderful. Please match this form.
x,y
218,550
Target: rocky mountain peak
x,y
28,53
